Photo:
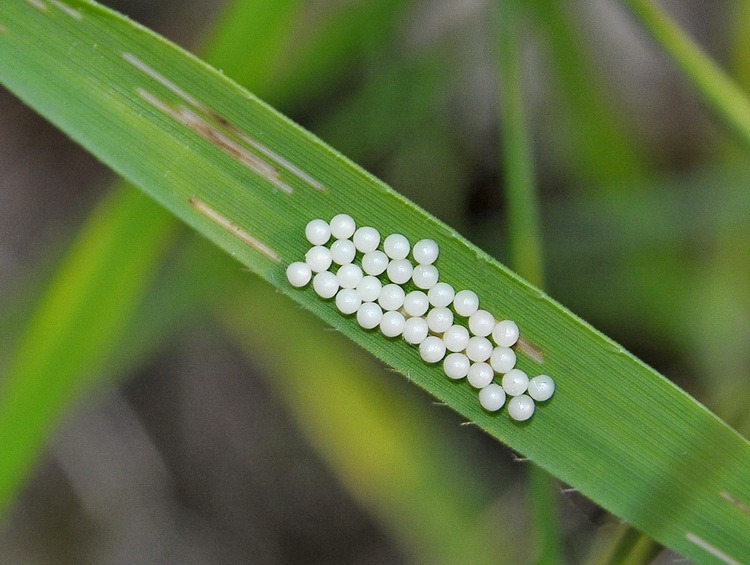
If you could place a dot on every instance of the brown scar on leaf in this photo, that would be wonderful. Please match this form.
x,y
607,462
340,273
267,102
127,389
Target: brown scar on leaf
x,y
230,226
222,121
72,12
191,120
737,502
530,349
267,152
197,124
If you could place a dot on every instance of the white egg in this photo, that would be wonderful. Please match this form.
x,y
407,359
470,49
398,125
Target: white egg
x,y
369,288
492,397
343,251
416,303
366,239
399,271
349,276
465,303
425,251
505,333
479,349
432,349
369,315
299,274
425,276
456,338
415,330
375,263
439,319
456,365
325,284
441,295
392,324
503,359
481,323
396,246
521,408
541,388
391,297
515,382
318,232
480,375
348,301
342,226
318,258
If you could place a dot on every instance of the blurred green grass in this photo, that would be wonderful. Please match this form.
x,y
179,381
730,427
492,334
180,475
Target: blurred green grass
x,y
658,258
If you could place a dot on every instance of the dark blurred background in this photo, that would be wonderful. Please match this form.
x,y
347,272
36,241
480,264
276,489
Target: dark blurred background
x,y
193,458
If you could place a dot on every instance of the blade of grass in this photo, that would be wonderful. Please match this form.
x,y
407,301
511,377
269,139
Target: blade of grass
x,y
525,239
740,44
720,93
679,458
633,548
75,297
518,163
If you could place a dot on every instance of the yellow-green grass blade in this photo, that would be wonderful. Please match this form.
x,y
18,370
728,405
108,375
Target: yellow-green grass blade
x,y
80,291
616,430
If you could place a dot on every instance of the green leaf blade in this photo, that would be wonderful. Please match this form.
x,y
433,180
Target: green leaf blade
x,y
616,430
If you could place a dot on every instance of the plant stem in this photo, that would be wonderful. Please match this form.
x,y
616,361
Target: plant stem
x,y
719,91
516,154
525,239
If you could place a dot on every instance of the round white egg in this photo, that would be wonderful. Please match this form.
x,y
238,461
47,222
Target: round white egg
x,y
342,226
515,382
369,315
299,274
492,397
325,284
521,408
541,388
465,303
432,349
318,232
415,330
456,365
480,375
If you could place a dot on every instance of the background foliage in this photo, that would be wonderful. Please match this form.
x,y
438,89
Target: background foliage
x,y
645,223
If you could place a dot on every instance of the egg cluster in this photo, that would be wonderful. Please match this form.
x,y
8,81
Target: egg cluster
x,y
404,297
